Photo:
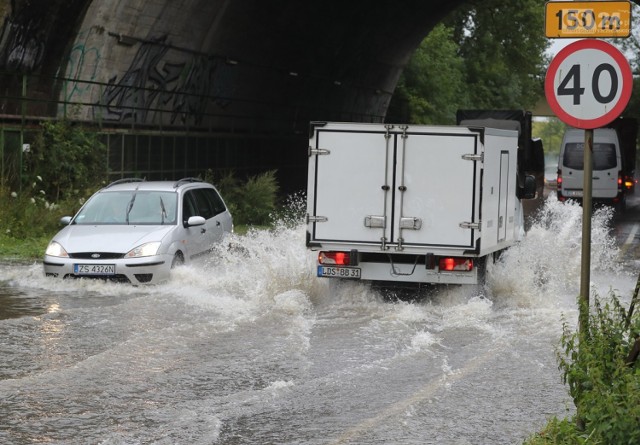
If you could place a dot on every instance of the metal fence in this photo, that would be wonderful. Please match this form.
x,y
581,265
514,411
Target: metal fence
x,y
160,146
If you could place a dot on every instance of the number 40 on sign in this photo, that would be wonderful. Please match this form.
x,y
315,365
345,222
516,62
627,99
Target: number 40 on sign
x,y
588,84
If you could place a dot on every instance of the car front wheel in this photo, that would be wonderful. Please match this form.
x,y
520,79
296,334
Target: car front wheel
x,y
178,260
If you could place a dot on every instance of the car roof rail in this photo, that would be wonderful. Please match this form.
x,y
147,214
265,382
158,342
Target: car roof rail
x,y
124,181
179,182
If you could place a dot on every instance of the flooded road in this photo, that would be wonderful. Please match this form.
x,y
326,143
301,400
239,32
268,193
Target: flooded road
x,y
251,348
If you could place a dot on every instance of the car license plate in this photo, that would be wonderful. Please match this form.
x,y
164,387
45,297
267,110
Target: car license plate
x,y
94,269
338,272
574,193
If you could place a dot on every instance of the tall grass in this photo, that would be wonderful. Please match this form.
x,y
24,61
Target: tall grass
x,y
603,376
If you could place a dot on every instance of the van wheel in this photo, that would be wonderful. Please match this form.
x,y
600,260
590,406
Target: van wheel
x,y
178,260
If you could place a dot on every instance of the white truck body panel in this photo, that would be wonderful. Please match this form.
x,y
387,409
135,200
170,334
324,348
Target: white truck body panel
x,y
410,191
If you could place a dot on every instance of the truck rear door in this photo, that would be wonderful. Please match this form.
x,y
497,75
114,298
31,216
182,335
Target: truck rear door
x,y
436,182
386,186
349,175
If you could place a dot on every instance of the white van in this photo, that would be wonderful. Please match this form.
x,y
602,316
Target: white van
x,y
607,166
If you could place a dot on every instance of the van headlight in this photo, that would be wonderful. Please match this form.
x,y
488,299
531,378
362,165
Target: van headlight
x,y
148,249
55,249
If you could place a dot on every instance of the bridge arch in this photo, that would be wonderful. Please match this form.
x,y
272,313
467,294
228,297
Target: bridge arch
x,y
251,72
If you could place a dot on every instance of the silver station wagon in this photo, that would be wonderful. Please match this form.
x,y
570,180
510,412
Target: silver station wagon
x,y
136,231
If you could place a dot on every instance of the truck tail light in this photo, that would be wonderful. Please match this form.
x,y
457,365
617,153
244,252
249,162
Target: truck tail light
x,y
337,258
455,264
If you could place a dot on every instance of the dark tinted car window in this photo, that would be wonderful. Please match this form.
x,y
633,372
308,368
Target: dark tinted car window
x,y
209,203
189,208
604,156
216,201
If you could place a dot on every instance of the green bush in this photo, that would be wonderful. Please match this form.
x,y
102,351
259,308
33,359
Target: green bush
x,y
604,385
252,202
28,214
65,166
68,159
603,376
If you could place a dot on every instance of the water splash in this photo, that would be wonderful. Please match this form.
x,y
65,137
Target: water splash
x,y
546,264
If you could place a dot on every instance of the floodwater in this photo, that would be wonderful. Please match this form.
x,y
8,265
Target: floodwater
x,y
249,347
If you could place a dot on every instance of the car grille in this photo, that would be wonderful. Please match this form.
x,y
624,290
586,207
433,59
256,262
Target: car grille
x,y
94,255
112,278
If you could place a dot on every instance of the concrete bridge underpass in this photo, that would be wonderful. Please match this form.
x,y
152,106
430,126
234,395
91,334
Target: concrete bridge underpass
x,y
179,86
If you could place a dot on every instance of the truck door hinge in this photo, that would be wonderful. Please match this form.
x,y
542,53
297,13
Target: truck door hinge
x,y
316,219
410,222
473,157
318,151
375,222
470,225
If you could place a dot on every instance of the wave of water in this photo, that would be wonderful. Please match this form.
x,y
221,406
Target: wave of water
x,y
255,305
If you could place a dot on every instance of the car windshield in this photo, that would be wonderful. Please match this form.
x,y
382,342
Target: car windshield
x,y
604,156
129,207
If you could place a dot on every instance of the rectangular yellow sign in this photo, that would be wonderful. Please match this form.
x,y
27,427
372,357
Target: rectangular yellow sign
x,y
587,19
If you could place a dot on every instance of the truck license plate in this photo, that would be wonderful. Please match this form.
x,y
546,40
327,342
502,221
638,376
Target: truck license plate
x,y
338,272
94,269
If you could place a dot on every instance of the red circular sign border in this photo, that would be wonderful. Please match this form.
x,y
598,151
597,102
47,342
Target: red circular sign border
x,y
627,84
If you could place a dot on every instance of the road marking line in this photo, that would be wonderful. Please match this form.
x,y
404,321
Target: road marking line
x,y
425,393
629,241
632,235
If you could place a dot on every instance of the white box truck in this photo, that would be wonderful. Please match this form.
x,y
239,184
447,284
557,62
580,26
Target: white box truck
x,y
412,204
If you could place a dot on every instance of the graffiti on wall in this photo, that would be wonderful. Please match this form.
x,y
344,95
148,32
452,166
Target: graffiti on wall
x,y
154,87
82,67
22,40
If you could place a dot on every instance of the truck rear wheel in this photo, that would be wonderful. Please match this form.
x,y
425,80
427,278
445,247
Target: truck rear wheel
x,y
481,271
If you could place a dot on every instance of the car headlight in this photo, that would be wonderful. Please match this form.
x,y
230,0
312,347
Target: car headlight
x,y
147,249
55,249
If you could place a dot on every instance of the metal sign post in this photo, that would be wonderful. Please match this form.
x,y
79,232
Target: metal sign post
x,y
585,263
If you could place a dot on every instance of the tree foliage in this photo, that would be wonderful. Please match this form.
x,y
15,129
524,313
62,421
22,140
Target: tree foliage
x,y
631,48
551,132
432,87
486,54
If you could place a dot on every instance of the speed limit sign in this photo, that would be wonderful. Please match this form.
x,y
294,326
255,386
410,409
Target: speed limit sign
x,y
588,84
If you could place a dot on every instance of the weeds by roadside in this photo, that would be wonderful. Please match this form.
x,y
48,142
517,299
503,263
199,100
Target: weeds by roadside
x,y
603,376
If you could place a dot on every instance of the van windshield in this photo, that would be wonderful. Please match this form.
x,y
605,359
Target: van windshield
x,y
604,156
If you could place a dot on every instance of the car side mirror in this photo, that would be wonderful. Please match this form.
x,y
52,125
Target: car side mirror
x,y
528,189
195,221
65,220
